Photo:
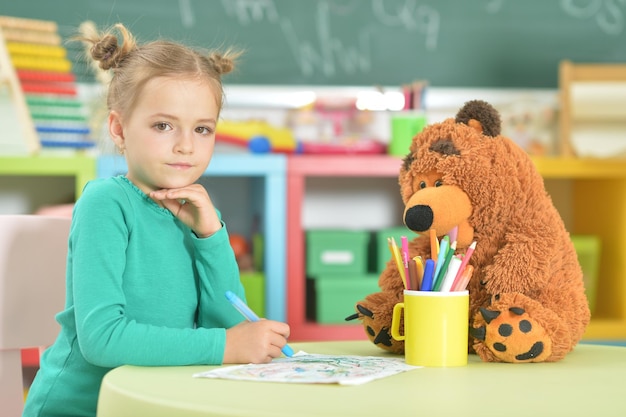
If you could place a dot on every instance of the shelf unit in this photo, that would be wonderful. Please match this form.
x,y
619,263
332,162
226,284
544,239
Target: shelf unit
x,y
270,169
594,201
81,167
299,168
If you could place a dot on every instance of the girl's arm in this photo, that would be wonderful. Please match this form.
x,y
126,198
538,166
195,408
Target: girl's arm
x,y
108,336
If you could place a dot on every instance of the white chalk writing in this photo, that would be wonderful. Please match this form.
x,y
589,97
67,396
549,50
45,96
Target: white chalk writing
x,y
412,16
608,14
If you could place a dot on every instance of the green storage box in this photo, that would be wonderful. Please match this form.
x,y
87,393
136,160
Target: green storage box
x,y
336,251
254,285
336,295
588,251
382,248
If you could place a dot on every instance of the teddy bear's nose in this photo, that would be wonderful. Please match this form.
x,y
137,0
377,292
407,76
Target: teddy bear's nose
x,y
419,218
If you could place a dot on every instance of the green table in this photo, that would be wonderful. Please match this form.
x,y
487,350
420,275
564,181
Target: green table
x,y
588,382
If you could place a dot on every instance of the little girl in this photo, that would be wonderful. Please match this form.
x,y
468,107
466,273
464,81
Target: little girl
x,y
149,258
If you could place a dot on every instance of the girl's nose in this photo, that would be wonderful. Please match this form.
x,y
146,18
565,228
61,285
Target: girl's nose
x,y
184,143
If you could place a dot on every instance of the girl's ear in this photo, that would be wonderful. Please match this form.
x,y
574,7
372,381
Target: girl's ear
x,y
116,130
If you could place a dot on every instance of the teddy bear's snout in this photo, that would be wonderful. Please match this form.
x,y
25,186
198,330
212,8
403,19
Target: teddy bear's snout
x,y
419,218
440,208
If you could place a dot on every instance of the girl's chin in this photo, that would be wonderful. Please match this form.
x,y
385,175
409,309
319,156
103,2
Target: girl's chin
x,y
172,186
173,183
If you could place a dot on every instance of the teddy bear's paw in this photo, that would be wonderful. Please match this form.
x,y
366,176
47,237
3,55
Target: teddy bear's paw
x,y
378,335
377,323
509,334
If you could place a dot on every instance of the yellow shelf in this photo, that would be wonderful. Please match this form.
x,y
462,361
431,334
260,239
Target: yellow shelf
x,y
597,206
81,167
603,329
580,168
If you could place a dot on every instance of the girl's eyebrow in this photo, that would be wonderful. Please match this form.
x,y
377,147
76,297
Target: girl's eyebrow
x,y
172,117
163,116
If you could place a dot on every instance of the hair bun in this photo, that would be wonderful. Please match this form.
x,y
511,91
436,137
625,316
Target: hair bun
x,y
105,52
105,48
224,62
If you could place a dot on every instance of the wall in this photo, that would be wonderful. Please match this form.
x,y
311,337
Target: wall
x,y
480,43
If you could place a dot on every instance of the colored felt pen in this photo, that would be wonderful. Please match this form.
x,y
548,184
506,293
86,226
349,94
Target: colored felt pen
x,y
465,279
466,258
434,244
405,258
452,234
416,266
395,251
250,315
448,278
394,255
419,265
444,268
427,279
413,278
443,251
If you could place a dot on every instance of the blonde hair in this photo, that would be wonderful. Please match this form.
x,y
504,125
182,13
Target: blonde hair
x,y
133,65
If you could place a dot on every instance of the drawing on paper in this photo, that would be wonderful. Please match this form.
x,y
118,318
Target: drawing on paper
x,y
314,369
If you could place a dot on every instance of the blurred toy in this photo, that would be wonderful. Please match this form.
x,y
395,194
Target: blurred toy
x,y
239,244
532,125
358,147
243,253
337,115
257,136
333,126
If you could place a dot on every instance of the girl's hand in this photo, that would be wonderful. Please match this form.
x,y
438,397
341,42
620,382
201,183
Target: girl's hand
x,y
255,342
192,206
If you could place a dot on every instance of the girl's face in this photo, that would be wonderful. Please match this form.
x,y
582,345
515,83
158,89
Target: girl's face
x,y
169,136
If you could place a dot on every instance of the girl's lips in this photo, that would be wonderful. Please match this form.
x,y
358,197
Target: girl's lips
x,y
180,165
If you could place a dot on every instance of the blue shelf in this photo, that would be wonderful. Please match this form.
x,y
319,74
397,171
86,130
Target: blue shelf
x,y
271,169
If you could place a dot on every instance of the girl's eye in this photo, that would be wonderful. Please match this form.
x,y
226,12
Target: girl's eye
x,y
422,185
162,126
203,130
438,183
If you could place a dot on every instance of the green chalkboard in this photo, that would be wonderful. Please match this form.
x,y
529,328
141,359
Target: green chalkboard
x,y
450,43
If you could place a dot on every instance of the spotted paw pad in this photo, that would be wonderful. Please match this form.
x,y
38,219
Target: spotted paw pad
x,y
512,335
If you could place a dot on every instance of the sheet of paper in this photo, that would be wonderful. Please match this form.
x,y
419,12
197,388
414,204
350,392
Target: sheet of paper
x,y
314,369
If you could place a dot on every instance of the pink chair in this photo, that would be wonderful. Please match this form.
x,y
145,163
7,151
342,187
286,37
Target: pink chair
x,y
33,251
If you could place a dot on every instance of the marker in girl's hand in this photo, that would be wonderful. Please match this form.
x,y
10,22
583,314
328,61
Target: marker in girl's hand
x,y
250,315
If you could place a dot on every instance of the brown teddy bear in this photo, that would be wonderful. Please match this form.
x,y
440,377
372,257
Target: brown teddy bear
x,y
527,298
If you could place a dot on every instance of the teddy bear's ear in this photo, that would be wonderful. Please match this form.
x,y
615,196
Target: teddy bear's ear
x,y
407,161
481,116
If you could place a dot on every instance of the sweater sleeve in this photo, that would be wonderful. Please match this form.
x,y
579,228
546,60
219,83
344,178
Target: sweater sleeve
x,y
107,336
218,272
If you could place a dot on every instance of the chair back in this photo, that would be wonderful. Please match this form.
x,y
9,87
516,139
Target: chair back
x,y
33,256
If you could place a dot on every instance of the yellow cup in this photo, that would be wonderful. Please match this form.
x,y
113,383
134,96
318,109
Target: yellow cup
x,y
435,327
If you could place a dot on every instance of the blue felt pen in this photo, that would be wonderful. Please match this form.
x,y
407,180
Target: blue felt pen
x,y
427,279
250,315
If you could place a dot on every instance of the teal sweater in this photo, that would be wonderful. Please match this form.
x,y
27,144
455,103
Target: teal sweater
x,y
141,289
